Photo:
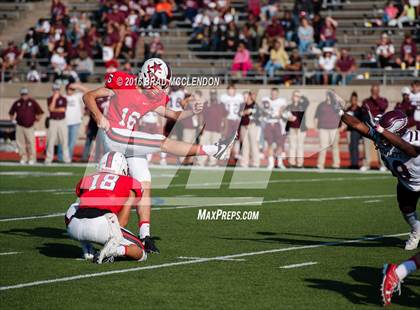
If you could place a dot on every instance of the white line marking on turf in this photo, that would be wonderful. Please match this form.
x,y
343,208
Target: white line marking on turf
x,y
9,253
61,191
36,173
372,201
170,168
225,259
191,262
298,265
240,203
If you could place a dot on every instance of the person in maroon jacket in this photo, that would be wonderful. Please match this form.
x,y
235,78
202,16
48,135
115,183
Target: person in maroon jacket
x,y
25,112
405,106
371,107
214,120
408,53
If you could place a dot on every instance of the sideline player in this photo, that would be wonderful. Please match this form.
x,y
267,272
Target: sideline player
x,y
128,105
403,164
274,129
106,198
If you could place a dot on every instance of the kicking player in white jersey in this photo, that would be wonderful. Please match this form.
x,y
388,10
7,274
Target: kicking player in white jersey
x,y
403,162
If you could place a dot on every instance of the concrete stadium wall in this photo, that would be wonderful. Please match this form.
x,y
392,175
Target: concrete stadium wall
x,y
10,92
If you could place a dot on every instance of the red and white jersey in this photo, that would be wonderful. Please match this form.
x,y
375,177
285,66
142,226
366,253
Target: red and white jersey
x,y
128,104
107,191
175,100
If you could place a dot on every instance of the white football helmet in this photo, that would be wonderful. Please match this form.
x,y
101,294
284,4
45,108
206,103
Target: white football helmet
x,y
155,73
113,162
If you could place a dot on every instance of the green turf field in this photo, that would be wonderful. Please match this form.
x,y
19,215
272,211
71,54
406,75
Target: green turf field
x,y
309,218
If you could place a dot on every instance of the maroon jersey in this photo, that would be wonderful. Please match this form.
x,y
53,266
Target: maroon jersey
x,y
106,191
61,102
26,111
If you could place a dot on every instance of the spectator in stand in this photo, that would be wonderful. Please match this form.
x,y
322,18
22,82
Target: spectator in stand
x,y
249,133
242,61
163,12
58,10
328,121
84,66
390,12
408,53
288,26
30,47
274,29
33,75
405,106
415,101
58,62
416,5
385,51
10,58
355,110
302,8
294,65
57,131
25,112
345,68
326,64
296,126
74,115
328,33
305,35
190,9
278,59
126,48
156,47
372,107
214,116
408,15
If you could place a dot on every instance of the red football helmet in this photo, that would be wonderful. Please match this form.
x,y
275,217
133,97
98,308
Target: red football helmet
x,y
394,121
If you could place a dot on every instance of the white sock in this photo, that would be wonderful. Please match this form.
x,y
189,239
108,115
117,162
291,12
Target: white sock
x,y
144,230
121,250
416,226
405,269
210,149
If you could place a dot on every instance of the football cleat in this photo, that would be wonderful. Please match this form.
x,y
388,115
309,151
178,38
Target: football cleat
x,y
88,251
109,249
224,147
413,241
149,245
390,283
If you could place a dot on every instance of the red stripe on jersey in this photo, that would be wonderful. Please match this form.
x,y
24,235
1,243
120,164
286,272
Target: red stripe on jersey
x,y
109,160
130,237
133,140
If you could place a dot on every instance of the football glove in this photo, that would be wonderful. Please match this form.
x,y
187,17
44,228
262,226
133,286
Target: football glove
x,y
149,245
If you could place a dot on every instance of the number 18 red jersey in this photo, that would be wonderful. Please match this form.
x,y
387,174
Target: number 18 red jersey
x,y
107,191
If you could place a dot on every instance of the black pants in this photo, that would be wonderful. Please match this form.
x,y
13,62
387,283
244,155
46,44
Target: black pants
x,y
407,200
354,148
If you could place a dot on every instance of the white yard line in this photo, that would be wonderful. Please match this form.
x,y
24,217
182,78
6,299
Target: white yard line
x,y
239,203
298,265
191,262
372,201
9,253
60,191
36,173
230,168
199,258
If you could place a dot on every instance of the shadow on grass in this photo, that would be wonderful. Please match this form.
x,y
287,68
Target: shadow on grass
x,y
44,232
366,289
60,250
305,240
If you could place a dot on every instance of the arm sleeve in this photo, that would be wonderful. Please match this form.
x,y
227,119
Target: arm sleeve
x,y
12,109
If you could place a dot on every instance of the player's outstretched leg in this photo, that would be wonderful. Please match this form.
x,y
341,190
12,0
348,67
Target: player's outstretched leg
x,y
220,150
407,202
394,276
